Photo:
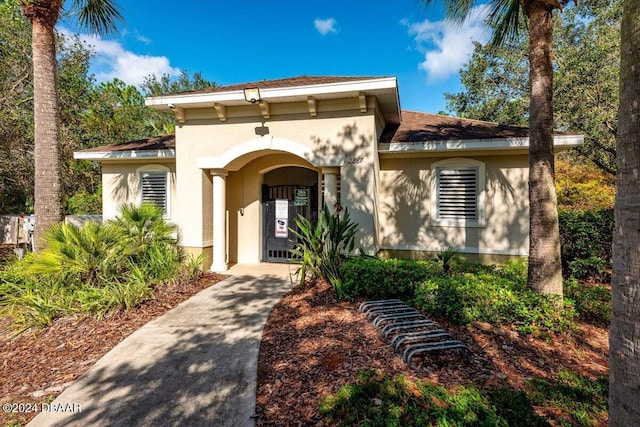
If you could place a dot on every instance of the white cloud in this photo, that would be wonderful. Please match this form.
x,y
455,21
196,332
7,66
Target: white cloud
x,y
326,26
114,61
447,45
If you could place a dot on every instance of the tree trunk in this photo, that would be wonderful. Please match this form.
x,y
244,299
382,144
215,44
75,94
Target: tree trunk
x,y
48,173
624,335
545,269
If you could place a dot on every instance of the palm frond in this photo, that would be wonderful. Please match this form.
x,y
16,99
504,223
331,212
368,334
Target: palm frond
x,y
456,10
505,17
97,16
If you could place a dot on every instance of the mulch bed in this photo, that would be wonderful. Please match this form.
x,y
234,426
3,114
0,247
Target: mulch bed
x,y
313,344
35,367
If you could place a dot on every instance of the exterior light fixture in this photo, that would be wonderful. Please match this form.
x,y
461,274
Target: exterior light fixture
x,y
252,95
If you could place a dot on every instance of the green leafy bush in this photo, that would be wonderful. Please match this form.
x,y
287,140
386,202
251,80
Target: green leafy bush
x,y
468,293
493,294
372,278
592,302
84,203
586,238
95,269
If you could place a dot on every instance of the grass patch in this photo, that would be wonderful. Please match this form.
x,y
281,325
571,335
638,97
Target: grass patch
x,y
376,399
583,401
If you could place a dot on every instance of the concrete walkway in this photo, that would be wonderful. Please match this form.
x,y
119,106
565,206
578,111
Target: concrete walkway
x,y
195,365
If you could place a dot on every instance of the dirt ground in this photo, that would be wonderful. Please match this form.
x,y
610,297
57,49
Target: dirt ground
x,y
314,344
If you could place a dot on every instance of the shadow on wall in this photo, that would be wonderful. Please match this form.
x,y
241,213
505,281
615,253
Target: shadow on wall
x,y
354,152
408,219
123,187
515,206
198,370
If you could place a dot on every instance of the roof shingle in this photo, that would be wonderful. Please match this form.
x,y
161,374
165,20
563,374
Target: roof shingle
x,y
419,127
165,142
415,127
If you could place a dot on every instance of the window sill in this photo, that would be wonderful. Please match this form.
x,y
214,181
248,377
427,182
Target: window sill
x,y
457,223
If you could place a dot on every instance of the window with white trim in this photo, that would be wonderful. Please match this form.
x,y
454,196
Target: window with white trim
x,y
154,186
458,192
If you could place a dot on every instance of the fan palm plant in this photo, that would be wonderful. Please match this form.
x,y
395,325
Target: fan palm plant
x,y
79,255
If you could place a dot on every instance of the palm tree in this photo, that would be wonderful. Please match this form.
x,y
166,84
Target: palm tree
x,y
624,350
545,270
99,16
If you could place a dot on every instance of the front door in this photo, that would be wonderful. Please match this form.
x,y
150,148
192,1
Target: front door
x,y
281,204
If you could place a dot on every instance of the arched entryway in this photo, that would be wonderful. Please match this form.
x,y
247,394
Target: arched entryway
x,y
287,192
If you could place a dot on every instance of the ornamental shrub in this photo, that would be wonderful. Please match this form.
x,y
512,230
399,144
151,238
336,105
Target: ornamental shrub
x,y
381,279
321,249
586,238
592,301
493,294
96,269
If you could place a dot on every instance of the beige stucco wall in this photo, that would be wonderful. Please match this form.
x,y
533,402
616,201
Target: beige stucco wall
x,y
405,205
339,136
244,205
121,184
390,198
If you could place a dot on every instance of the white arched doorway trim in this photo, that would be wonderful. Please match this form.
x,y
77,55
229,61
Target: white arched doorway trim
x,y
239,155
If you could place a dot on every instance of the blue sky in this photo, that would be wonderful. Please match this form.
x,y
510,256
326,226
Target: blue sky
x,y
248,40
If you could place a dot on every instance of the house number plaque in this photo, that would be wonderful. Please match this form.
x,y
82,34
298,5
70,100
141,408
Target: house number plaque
x,y
354,160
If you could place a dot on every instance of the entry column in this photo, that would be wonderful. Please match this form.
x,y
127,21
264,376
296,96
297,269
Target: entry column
x,y
330,177
219,220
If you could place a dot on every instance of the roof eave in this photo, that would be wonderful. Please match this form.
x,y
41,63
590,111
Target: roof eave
x,y
283,94
165,154
561,143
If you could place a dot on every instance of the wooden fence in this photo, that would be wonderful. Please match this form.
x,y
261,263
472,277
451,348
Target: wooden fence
x,y
12,230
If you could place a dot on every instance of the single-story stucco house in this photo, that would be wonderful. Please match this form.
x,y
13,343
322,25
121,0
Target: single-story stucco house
x,y
246,159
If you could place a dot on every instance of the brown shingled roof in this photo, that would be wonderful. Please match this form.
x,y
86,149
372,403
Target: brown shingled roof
x,y
281,83
418,127
415,127
157,143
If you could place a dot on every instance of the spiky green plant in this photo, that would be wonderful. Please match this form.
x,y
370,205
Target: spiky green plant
x,y
320,250
446,257
141,226
96,269
87,254
308,247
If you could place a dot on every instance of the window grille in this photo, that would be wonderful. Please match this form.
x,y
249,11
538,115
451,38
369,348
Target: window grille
x,y
458,193
154,189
